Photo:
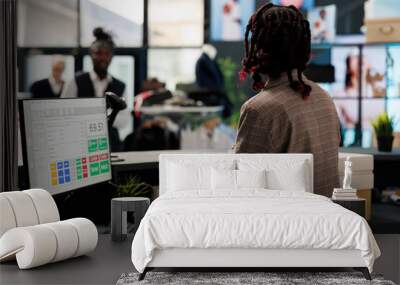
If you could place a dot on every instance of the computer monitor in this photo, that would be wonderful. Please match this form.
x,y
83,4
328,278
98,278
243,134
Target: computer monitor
x,y
65,143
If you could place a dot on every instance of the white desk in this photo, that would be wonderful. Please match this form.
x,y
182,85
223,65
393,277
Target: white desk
x,y
146,157
170,109
141,160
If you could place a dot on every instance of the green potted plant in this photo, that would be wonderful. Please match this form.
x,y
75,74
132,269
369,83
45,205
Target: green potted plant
x,y
236,95
383,127
133,187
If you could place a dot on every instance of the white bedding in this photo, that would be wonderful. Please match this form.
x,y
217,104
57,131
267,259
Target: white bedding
x,y
250,219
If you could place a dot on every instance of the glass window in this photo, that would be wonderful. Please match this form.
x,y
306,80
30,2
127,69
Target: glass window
x,y
374,79
173,66
393,71
345,61
176,22
123,18
34,17
393,108
347,110
39,67
371,108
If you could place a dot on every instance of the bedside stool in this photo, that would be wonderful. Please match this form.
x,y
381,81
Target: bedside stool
x,y
119,209
357,205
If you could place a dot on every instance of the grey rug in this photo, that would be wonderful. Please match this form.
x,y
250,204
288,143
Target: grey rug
x,y
269,278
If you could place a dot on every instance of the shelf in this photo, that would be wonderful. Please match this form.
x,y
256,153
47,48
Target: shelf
x,y
364,98
330,45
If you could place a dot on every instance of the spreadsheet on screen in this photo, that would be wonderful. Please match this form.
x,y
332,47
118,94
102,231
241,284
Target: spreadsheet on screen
x,y
66,143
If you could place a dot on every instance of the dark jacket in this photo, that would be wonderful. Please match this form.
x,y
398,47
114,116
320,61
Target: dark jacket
x,y
42,89
86,89
208,74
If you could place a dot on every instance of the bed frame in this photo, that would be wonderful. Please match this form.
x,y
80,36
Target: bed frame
x,y
261,259
246,259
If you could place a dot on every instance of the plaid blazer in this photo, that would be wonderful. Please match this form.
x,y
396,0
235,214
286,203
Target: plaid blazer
x,y
279,120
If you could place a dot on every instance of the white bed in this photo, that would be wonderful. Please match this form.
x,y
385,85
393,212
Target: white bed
x,y
201,220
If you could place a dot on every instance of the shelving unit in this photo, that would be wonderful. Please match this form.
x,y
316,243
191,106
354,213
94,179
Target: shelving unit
x,y
360,96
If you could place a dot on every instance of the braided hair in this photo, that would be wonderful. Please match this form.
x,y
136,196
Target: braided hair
x,y
279,42
103,39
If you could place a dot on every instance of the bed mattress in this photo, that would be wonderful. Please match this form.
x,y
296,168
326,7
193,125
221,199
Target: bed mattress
x,y
250,219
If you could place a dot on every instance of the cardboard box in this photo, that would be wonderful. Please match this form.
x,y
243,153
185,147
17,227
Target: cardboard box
x,y
383,30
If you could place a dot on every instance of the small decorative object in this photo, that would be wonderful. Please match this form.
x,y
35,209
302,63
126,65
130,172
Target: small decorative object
x,y
346,192
383,126
347,174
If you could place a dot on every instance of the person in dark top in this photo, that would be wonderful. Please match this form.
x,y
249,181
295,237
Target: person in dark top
x,y
98,81
50,87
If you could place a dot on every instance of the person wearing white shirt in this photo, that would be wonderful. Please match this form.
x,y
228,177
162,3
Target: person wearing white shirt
x,y
98,81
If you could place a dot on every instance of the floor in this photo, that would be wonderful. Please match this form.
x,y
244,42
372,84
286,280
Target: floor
x,y
103,266
110,259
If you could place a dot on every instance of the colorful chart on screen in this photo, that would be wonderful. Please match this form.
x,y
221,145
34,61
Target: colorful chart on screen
x,y
66,142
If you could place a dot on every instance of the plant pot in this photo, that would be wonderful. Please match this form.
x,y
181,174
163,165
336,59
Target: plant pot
x,y
385,143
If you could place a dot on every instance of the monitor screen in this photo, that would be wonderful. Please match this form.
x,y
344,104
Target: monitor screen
x,y
65,143
229,19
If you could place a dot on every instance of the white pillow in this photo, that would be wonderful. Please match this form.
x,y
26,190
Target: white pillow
x,y
185,175
223,179
251,178
281,174
226,179
294,179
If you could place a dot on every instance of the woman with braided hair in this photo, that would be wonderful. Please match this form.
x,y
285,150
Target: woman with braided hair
x,y
290,114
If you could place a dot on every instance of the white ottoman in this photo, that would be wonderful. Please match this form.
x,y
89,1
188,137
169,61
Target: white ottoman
x,y
31,231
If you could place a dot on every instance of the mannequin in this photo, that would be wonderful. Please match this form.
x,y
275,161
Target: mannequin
x,y
210,78
209,50
208,73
